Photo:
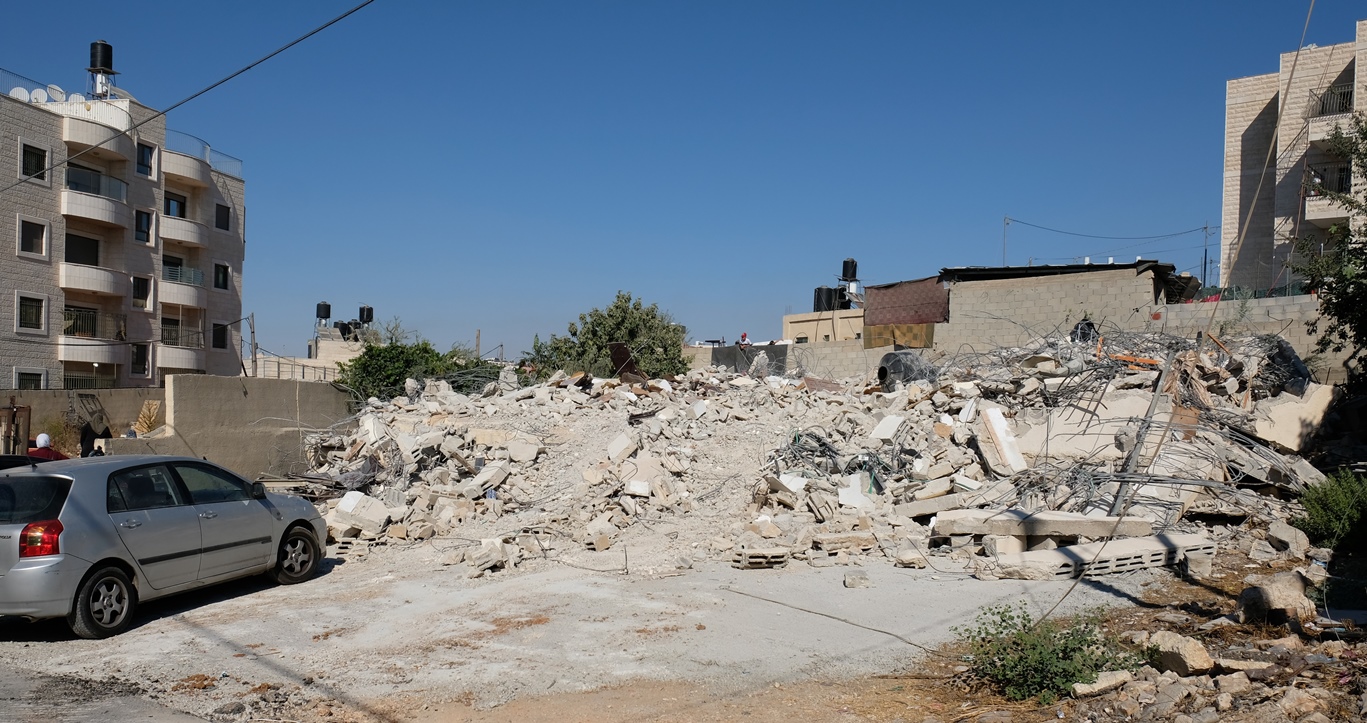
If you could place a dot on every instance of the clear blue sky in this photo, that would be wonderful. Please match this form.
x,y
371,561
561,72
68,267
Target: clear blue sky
x,y
506,166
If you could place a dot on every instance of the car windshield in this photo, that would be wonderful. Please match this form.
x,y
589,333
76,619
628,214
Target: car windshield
x,y
31,498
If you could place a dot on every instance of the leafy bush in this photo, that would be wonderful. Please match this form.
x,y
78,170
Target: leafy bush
x,y
656,342
381,369
1335,510
1024,660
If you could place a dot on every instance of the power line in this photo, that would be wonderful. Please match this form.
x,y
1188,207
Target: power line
x,y
1109,238
197,94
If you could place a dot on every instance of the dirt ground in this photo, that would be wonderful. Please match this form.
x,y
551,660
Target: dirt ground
x,y
396,636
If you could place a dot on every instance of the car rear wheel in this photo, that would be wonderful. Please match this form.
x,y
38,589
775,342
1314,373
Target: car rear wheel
x,y
104,605
298,559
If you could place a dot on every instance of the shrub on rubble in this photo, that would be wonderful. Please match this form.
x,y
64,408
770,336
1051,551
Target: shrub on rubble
x,y
1022,659
1335,510
656,342
380,370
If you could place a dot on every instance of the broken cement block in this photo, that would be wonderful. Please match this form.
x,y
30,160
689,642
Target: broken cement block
x,y
636,488
758,558
852,494
488,478
601,525
910,557
887,429
857,579
997,545
931,506
836,541
790,483
1003,439
1286,538
1038,524
1277,600
934,488
621,448
1098,558
360,510
1180,654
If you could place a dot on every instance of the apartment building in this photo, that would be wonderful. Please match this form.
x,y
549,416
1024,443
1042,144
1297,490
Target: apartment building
x,y
125,240
1323,93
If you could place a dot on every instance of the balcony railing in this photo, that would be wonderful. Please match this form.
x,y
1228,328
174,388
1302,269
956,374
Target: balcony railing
x,y
78,380
1333,100
184,338
1330,178
182,275
192,146
80,179
93,324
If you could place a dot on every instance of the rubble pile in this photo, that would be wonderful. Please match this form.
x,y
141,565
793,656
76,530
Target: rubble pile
x,y
995,461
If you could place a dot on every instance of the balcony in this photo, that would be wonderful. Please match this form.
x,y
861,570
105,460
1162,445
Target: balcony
x,y
188,145
1321,210
1328,108
92,279
80,134
174,357
97,197
186,287
92,337
190,233
186,169
182,337
86,380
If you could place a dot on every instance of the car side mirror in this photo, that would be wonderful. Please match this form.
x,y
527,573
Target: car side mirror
x,y
258,491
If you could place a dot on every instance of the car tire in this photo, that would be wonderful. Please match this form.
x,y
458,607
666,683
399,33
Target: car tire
x,y
105,604
298,559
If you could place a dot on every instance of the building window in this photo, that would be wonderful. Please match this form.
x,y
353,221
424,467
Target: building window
x,y
801,339
825,337
82,250
29,379
31,312
223,276
175,205
138,365
220,336
142,292
34,163
142,230
32,238
145,159
859,335
223,217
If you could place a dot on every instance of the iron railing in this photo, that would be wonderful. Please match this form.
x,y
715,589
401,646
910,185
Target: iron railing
x,y
1334,100
183,338
86,181
182,275
1328,177
184,143
79,380
93,324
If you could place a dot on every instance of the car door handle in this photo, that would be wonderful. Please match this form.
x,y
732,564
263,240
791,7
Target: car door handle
x,y
130,524
208,515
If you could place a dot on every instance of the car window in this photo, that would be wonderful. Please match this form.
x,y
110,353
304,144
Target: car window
x,y
144,488
208,485
32,499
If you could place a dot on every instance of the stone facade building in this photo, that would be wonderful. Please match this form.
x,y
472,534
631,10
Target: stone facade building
x,y
1324,92
124,242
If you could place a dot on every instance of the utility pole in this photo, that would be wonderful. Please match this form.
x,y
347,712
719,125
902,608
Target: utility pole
x,y
1006,221
1205,255
477,344
251,324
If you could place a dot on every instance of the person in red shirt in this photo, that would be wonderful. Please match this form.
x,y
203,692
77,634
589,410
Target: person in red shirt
x,y
44,449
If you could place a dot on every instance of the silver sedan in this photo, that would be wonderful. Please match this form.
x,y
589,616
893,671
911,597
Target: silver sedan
x,y
88,539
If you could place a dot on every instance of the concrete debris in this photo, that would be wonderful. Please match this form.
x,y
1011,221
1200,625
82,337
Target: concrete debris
x,y
1180,654
1038,463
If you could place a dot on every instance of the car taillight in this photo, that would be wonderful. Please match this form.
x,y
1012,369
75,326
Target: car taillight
x,y
40,538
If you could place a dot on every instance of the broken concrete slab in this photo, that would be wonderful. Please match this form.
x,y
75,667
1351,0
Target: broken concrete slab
x,y
621,447
1004,440
362,511
1289,421
932,506
1043,523
1103,558
887,429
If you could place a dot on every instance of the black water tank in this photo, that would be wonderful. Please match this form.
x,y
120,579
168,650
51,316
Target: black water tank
x,y
101,58
842,299
849,271
823,299
344,328
324,310
367,315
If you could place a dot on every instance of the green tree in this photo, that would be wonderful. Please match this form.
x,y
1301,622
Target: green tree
x,y
381,369
656,342
1336,266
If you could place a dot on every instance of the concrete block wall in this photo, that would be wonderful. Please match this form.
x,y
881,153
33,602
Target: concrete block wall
x,y
1020,312
835,360
1286,316
122,405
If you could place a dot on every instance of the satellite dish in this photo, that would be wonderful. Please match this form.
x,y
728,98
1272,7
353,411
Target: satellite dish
x,y
37,95
56,93
19,94
76,98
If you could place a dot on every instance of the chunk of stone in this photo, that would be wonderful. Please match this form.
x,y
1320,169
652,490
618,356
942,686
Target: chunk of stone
x,y
1289,421
1180,654
887,429
1106,681
857,579
1277,600
910,557
1285,538
1233,683
931,506
934,488
521,450
360,510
